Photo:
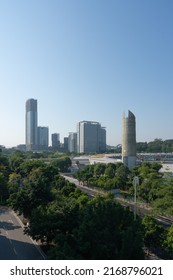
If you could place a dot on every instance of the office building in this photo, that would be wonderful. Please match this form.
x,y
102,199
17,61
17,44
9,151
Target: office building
x,y
31,125
129,140
43,138
55,140
91,137
72,142
65,144
102,140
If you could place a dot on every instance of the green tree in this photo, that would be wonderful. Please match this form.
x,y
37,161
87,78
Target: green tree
x,y
62,163
100,233
84,175
53,221
99,169
3,188
15,160
122,177
35,191
164,197
168,242
14,182
4,165
153,232
27,166
110,170
4,173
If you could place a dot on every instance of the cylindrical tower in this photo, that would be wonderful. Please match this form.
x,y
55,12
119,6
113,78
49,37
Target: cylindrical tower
x,y
129,140
31,124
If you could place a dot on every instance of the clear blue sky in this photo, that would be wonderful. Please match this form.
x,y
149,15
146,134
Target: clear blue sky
x,y
87,60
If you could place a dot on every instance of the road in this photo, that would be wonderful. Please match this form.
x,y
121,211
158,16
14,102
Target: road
x,y
14,244
83,188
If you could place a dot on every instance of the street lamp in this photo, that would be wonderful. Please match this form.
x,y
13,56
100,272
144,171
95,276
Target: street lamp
x,y
135,183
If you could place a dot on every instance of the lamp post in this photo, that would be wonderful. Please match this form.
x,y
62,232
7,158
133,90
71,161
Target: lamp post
x,y
135,183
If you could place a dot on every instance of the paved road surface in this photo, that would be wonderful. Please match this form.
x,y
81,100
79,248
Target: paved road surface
x,y
14,245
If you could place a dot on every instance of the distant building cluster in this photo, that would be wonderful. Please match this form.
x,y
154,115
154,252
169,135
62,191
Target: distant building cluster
x,y
90,137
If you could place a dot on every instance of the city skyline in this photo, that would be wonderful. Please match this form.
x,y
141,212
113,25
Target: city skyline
x,y
88,137
87,60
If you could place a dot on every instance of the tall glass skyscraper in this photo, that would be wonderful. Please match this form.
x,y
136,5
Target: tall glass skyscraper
x,y
31,125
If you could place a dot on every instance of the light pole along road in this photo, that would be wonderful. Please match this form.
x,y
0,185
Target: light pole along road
x,y
14,244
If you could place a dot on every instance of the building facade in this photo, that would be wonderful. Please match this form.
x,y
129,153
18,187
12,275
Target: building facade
x,y
55,140
43,138
91,137
102,140
72,142
129,140
65,144
31,125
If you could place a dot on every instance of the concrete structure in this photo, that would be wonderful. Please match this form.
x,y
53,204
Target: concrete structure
x,y
31,125
129,140
43,137
72,142
167,168
91,137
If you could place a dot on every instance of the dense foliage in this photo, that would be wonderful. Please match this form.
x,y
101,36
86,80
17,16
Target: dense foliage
x,y
157,238
107,177
156,146
154,188
76,226
101,229
60,215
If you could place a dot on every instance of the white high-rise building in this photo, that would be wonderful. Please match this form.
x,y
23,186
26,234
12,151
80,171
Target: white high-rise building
x,y
72,142
91,137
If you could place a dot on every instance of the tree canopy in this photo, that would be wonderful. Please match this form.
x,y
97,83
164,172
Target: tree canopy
x,y
100,230
76,226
